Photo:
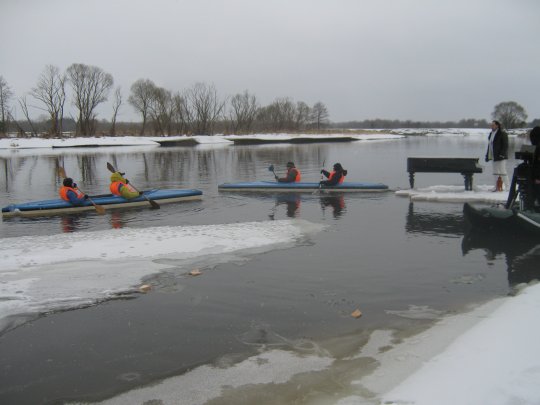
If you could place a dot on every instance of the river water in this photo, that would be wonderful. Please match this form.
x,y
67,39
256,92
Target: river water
x,y
402,264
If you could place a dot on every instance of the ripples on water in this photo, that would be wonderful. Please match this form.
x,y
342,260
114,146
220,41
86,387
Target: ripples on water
x,y
400,263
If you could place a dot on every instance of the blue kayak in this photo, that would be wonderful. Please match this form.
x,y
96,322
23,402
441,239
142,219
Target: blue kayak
x,y
107,201
302,187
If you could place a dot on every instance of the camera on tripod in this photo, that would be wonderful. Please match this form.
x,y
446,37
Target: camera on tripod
x,y
526,153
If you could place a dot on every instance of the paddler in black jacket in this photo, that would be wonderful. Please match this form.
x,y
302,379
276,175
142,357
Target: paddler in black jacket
x,y
335,177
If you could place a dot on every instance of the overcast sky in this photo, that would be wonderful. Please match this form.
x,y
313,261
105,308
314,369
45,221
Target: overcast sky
x,y
398,59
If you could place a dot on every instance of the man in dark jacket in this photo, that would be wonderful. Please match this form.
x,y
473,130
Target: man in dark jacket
x,y
535,140
497,152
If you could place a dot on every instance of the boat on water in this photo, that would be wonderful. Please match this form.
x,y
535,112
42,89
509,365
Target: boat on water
x,y
298,187
105,201
502,219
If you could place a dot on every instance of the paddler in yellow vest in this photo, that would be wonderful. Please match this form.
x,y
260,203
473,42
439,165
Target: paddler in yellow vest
x,y
120,186
70,193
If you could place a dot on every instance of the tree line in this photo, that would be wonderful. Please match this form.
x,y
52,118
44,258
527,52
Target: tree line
x,y
196,110
509,113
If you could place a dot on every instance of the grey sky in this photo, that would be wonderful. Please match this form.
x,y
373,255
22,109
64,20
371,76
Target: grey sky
x,y
398,59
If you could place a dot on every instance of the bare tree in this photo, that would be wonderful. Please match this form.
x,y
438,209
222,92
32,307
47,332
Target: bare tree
x,y
205,106
161,110
319,115
303,113
278,116
142,92
24,108
510,114
91,86
243,112
5,97
182,114
50,90
117,102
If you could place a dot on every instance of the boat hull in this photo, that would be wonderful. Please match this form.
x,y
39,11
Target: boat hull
x,y
302,187
107,201
502,219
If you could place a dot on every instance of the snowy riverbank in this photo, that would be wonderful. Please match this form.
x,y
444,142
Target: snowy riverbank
x,y
487,356
108,141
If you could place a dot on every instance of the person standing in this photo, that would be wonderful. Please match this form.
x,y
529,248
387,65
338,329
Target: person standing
x,y
497,152
535,141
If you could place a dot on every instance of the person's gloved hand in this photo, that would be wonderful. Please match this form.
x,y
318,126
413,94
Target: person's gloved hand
x,y
127,181
74,185
322,171
276,176
86,197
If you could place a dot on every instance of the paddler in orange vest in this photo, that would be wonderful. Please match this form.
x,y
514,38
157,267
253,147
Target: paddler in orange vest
x,y
292,175
335,177
70,193
120,186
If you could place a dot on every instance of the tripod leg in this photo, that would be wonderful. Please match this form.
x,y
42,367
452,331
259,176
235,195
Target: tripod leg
x,y
512,192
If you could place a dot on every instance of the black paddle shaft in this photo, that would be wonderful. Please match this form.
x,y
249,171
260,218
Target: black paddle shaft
x,y
153,204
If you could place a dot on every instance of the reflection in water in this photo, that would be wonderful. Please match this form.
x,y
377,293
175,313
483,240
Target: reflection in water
x,y
434,223
522,254
292,202
117,221
336,202
70,223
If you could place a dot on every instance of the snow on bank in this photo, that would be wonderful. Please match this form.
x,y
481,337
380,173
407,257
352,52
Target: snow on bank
x,y
35,143
489,355
44,273
31,143
442,193
497,361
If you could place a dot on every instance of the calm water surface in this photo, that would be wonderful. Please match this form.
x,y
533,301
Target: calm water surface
x,y
401,264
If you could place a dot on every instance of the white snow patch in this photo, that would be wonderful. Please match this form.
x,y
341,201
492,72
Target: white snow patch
x,y
489,355
44,273
206,382
447,193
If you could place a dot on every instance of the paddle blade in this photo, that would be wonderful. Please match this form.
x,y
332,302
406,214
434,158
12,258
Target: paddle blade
x,y
154,204
99,209
61,172
110,167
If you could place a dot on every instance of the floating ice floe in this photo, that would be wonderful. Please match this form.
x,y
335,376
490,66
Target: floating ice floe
x,y
57,272
481,193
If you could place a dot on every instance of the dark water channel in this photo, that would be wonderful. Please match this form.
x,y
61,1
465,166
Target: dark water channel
x,y
379,253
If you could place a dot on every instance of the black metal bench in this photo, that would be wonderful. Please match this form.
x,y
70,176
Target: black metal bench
x,y
465,166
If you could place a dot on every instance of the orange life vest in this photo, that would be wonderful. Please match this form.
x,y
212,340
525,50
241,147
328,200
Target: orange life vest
x,y
115,187
332,174
64,190
298,175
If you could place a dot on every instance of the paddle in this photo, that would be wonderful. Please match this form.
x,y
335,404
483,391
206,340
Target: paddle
x,y
153,204
99,209
319,190
271,169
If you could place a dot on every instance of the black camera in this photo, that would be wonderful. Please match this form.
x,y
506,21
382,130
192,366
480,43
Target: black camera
x,y
526,153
